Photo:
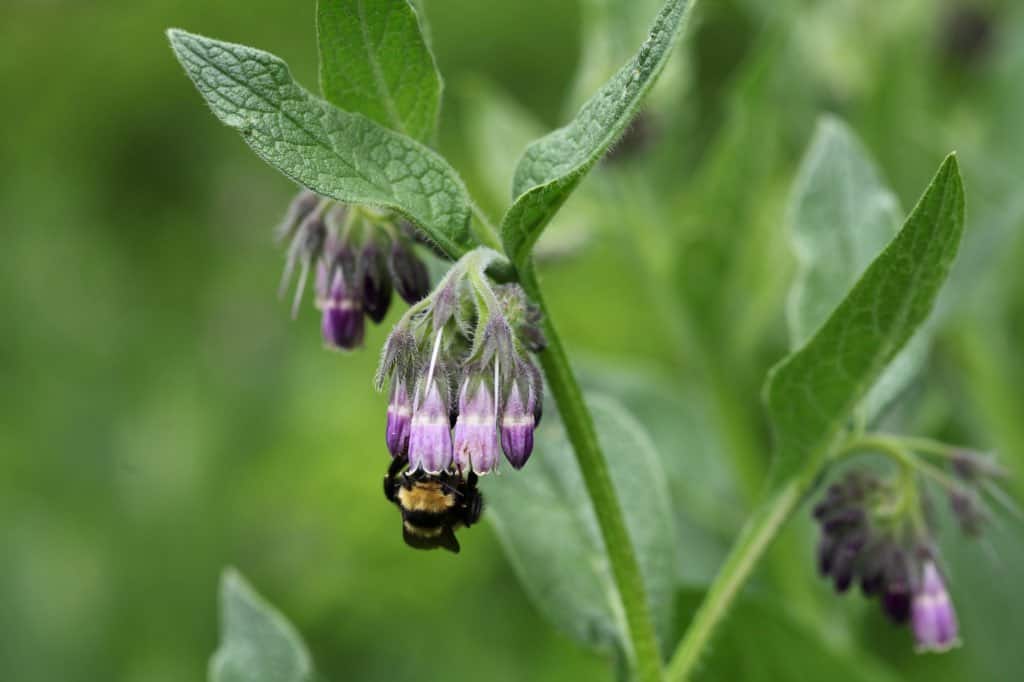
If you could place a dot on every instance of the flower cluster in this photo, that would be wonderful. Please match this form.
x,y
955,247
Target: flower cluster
x,y
360,257
872,533
463,386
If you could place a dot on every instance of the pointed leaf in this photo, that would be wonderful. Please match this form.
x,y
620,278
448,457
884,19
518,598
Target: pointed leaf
x,y
335,153
812,393
547,526
841,214
374,61
552,166
257,643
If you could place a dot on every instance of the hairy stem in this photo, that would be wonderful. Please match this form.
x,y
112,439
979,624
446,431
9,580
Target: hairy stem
x,y
580,427
761,528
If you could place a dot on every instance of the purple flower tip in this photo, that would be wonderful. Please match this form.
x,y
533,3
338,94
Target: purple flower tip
x,y
517,424
476,434
342,323
399,420
932,615
430,436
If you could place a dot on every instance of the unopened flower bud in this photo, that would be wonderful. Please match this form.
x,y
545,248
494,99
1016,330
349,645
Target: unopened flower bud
x,y
399,420
476,433
932,615
342,322
518,420
375,280
430,437
408,273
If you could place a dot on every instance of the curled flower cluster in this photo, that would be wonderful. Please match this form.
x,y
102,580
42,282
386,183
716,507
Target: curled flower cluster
x,y
872,536
463,386
360,257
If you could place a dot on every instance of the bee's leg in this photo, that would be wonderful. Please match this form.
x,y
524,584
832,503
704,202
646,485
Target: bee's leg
x,y
391,485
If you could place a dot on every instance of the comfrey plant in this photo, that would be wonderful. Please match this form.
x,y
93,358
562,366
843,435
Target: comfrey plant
x,y
464,389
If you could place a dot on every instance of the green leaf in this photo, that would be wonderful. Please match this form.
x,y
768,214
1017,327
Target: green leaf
x,y
257,643
841,214
552,166
547,526
338,154
374,61
812,393
763,642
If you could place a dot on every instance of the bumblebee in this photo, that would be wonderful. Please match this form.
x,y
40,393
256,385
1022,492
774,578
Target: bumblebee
x,y
433,506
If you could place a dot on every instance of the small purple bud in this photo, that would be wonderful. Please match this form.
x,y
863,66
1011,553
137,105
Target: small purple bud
x,y
375,281
342,323
430,436
517,424
408,273
932,615
896,595
476,433
399,420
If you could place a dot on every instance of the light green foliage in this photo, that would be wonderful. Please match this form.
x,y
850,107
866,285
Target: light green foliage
x,y
841,215
335,153
547,525
257,643
763,642
552,166
813,392
374,61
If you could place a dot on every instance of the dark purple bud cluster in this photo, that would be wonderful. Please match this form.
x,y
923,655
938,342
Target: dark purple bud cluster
x,y
871,537
463,386
360,257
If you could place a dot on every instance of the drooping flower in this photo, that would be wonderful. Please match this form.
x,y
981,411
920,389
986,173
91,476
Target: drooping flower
x,y
341,306
399,422
476,432
374,280
408,273
521,415
933,618
430,437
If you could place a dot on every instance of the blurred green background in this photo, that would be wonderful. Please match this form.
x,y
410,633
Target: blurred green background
x,y
162,416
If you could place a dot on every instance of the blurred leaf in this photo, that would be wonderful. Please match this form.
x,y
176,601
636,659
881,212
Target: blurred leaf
x,y
257,643
338,154
552,166
374,61
761,641
708,508
812,393
497,128
547,526
841,214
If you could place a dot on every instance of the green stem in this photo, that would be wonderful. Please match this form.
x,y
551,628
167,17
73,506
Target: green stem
x,y
580,427
761,528
488,236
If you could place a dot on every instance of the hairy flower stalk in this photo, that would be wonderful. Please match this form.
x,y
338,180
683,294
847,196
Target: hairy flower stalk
x,y
474,335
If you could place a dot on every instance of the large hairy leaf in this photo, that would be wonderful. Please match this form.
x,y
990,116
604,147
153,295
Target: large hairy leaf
x,y
374,61
335,153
